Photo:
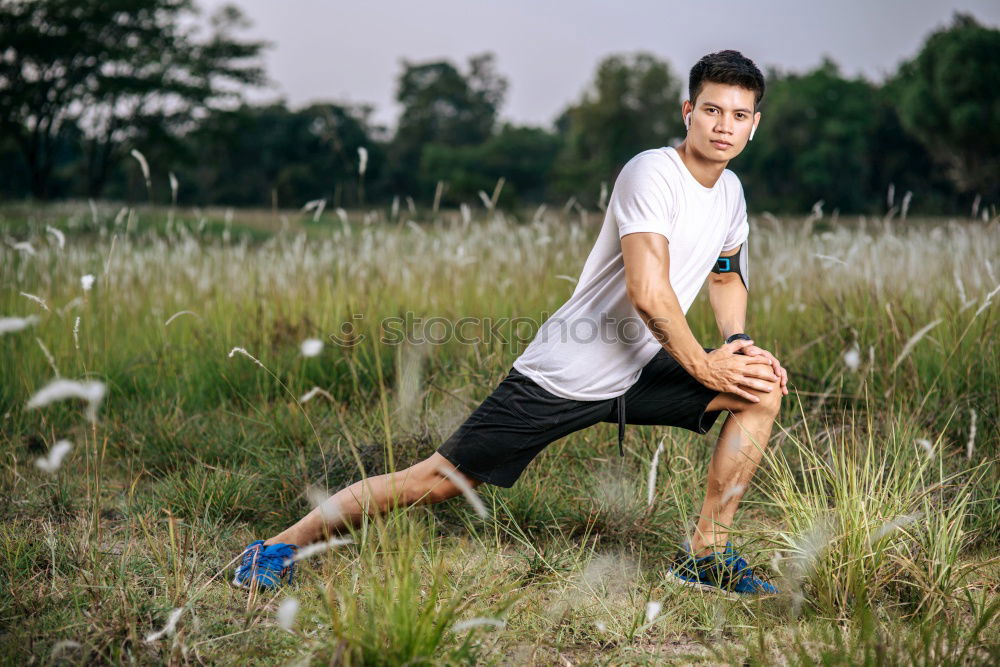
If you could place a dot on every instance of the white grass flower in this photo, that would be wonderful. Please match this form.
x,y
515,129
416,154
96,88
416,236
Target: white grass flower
x,y
87,282
72,303
40,301
48,357
732,492
806,549
173,187
987,302
569,279
287,611
829,258
914,339
310,347
178,314
601,626
602,199
76,333
314,392
960,286
169,628
51,462
92,391
478,622
469,493
25,247
93,211
971,445
12,324
890,195
466,213
317,548
894,524
852,357
905,206
362,161
652,610
817,209
60,237
144,166
62,646
246,354
927,446
316,205
485,198
651,483
320,498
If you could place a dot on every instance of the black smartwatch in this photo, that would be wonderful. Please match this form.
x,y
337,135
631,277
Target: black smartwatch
x,y
738,336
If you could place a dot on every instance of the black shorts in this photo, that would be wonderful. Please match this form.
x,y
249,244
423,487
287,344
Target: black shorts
x,y
520,418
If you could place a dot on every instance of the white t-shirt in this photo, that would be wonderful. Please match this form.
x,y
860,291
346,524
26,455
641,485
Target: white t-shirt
x,y
595,345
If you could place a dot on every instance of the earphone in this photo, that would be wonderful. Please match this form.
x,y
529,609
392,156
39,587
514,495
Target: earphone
x,y
752,130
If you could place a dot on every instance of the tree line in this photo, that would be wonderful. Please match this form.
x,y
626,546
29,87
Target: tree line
x,y
84,83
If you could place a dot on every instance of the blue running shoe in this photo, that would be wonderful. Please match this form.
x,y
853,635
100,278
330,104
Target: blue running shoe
x,y
267,564
724,572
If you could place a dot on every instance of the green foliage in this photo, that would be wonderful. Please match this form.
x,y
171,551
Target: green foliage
x,y
632,105
296,156
442,106
947,97
123,71
522,156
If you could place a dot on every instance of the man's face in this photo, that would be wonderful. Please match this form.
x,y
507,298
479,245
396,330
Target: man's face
x,y
721,120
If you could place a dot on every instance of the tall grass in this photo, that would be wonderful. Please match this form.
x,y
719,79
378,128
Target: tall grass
x,y
875,509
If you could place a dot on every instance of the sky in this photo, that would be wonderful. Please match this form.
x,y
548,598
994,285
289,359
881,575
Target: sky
x,y
338,51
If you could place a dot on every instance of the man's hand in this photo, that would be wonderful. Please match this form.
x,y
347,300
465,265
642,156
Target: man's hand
x,y
728,369
754,351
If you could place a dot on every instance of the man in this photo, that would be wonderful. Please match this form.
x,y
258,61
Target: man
x,y
675,216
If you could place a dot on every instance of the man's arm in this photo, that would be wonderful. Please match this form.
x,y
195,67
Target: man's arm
x,y
647,279
728,297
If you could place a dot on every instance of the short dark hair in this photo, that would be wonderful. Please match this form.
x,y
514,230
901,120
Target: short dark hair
x,y
730,67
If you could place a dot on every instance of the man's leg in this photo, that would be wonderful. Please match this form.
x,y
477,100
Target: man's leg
x,y
421,483
737,453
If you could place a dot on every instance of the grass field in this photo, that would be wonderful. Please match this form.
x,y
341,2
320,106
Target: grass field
x,y
876,509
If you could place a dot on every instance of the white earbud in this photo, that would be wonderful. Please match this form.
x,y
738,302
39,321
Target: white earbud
x,y
687,120
752,130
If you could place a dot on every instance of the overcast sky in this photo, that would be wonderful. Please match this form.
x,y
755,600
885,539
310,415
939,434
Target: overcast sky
x,y
330,50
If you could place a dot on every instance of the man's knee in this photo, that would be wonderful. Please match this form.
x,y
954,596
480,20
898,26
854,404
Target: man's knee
x,y
770,401
769,404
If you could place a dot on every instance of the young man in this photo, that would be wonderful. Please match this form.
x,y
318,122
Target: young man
x,y
675,216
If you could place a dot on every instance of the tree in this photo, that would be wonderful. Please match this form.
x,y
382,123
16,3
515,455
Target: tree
x,y
442,106
813,142
239,156
116,68
522,156
947,97
632,105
